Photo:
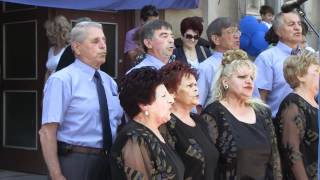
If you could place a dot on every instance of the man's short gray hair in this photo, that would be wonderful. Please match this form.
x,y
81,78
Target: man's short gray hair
x,y
148,29
79,31
216,27
278,20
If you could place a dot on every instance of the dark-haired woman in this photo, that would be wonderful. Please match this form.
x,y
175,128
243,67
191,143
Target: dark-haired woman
x,y
186,131
190,51
140,151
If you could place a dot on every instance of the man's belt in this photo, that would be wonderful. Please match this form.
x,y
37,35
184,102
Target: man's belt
x,y
65,148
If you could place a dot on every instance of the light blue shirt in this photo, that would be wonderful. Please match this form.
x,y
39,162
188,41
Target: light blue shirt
x,y
207,70
71,100
270,74
149,60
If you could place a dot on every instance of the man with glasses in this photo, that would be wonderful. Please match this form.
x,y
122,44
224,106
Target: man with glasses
x,y
224,35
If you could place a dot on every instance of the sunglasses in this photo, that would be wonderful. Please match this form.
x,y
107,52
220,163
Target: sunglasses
x,y
189,36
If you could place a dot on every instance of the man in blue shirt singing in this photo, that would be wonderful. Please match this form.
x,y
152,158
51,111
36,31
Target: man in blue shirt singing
x,y
270,81
158,43
81,111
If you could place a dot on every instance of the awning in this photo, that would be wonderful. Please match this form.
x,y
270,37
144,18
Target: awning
x,y
105,5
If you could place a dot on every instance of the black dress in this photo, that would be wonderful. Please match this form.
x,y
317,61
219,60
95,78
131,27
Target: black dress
x,y
247,151
138,154
193,145
297,128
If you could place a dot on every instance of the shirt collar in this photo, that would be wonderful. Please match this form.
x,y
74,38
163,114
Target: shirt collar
x,y
284,47
155,61
217,54
85,68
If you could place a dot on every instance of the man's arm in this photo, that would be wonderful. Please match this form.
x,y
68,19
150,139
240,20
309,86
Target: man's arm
x,y
265,73
264,94
203,87
48,139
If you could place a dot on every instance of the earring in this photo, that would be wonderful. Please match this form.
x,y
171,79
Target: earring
x,y
225,87
146,113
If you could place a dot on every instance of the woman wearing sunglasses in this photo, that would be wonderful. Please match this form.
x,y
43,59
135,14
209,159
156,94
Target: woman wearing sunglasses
x,y
190,51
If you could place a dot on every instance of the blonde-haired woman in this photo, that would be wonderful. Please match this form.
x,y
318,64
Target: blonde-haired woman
x,y
296,120
242,128
58,33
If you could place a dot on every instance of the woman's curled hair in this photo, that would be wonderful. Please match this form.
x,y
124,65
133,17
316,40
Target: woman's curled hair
x,y
138,87
172,74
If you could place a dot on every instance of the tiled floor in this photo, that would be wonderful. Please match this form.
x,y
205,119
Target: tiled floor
x,y
12,175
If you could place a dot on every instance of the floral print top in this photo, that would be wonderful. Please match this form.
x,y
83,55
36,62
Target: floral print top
x,y
194,147
138,154
239,143
297,128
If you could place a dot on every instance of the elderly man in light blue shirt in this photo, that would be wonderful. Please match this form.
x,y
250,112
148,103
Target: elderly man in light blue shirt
x,y
270,81
72,134
223,35
158,42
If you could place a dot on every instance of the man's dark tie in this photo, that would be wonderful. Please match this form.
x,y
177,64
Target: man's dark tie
x,y
104,113
296,51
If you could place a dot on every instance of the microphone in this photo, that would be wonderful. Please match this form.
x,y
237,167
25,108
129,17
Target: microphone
x,y
291,5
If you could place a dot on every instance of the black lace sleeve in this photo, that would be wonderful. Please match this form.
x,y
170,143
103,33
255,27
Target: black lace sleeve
x,y
136,160
210,126
275,162
170,138
221,135
293,130
138,154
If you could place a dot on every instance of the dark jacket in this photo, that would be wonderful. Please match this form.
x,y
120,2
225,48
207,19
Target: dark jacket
x,y
203,53
66,59
201,42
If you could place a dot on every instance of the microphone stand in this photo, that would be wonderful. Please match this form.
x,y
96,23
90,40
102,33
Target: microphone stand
x,y
303,15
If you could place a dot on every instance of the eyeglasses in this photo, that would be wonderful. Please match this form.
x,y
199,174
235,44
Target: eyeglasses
x,y
195,37
233,31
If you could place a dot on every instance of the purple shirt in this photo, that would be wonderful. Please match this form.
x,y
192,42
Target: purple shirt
x,y
270,74
129,43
